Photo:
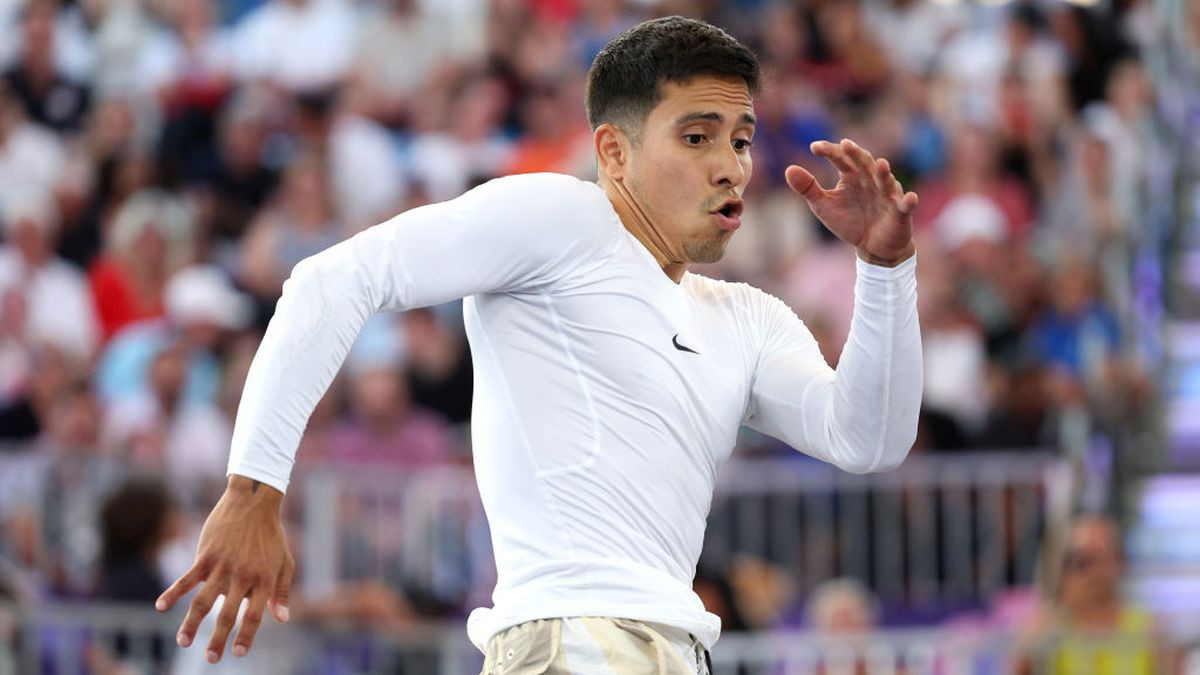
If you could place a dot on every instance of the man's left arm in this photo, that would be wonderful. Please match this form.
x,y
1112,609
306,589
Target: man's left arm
x,y
863,417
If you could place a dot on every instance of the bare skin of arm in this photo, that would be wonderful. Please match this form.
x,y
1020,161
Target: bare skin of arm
x,y
243,554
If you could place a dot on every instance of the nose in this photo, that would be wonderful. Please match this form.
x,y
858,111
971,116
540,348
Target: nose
x,y
728,170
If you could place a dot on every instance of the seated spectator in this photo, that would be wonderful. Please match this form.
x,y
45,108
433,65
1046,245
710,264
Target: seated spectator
x,y
382,426
241,181
149,240
299,222
158,428
467,144
842,607
58,307
189,65
366,183
439,373
400,47
31,157
974,169
556,136
1077,336
844,612
49,96
1088,628
201,308
136,522
264,43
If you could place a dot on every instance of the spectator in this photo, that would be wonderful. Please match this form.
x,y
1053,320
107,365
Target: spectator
x,y
136,522
1088,627
49,96
149,240
58,308
299,221
974,169
158,429
31,157
439,374
201,308
366,183
449,158
400,47
382,426
264,47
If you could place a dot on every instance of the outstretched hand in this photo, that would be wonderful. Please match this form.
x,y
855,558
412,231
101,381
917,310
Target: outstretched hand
x,y
867,209
243,554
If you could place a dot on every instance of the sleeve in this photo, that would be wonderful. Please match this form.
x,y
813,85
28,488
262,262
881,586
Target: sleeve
x,y
863,416
521,233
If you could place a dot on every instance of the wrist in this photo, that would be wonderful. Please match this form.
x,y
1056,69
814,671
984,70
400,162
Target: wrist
x,y
253,491
888,261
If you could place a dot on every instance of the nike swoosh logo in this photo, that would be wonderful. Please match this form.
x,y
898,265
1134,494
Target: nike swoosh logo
x,y
675,341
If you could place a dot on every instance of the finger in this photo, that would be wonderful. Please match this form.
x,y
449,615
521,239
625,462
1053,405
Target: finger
x,y
862,159
884,177
251,619
200,607
908,203
181,586
225,620
836,155
804,183
283,590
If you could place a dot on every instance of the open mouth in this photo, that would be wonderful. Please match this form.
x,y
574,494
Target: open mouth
x,y
731,208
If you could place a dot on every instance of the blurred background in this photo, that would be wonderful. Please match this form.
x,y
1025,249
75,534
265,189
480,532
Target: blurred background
x,y
164,164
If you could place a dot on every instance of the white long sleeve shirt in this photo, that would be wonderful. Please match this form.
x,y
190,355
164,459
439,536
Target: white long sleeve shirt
x,y
606,395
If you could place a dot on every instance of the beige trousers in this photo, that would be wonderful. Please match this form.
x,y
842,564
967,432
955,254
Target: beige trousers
x,y
593,646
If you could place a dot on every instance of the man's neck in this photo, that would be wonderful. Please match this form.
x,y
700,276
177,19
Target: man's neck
x,y
638,223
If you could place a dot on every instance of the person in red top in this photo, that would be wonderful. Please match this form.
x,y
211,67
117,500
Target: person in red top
x,y
149,239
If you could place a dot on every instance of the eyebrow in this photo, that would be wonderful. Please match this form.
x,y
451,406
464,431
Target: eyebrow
x,y
746,118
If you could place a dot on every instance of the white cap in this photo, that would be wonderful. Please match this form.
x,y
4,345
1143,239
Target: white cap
x,y
969,218
203,294
31,205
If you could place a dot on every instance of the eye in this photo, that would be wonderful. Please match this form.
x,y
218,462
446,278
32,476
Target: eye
x,y
741,144
693,139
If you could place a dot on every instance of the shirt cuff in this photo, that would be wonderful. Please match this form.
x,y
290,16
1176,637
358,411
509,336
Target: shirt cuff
x,y
879,272
258,474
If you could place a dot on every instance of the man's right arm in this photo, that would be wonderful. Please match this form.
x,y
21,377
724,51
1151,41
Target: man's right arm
x,y
512,233
518,233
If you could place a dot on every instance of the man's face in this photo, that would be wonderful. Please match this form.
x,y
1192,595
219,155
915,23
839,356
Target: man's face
x,y
692,164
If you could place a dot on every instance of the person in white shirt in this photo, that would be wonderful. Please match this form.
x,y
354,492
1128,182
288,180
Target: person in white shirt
x,y
609,381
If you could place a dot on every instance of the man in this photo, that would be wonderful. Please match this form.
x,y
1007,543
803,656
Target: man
x,y
609,382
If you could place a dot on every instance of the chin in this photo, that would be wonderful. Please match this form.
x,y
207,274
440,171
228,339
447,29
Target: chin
x,y
704,252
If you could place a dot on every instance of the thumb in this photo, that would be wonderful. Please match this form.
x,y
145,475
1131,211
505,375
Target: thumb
x,y
799,179
283,589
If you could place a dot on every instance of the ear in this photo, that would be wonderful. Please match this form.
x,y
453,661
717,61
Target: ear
x,y
612,150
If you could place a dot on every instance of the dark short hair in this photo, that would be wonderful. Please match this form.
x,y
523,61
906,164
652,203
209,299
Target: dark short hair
x,y
624,80
132,518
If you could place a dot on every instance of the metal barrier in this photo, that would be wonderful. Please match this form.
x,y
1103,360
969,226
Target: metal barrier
x,y
110,640
940,532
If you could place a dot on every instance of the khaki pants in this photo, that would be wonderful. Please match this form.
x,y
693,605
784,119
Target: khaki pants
x,y
593,646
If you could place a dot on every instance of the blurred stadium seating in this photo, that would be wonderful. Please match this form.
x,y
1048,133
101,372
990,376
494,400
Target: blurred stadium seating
x,y
164,163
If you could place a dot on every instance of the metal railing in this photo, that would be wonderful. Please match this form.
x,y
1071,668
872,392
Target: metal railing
x,y
939,532
112,639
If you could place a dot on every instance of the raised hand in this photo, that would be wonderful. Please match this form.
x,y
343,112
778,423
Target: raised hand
x,y
867,209
243,554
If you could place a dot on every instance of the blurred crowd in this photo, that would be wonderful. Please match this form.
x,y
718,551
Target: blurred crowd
x,y
165,163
